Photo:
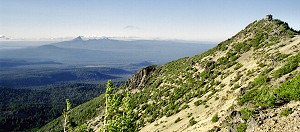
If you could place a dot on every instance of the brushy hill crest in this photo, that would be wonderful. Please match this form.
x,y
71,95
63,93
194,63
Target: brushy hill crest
x,y
246,83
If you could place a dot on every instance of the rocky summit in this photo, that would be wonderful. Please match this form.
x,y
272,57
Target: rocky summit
x,y
250,82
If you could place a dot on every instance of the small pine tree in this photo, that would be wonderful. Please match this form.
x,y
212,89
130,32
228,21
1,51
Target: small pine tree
x,y
69,105
108,107
119,115
128,118
67,124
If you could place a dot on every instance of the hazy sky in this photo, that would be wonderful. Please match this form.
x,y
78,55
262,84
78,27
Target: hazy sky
x,y
207,20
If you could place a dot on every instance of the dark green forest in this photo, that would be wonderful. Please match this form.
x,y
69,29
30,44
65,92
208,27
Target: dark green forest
x,y
24,109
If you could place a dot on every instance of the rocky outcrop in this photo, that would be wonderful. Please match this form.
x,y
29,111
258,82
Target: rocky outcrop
x,y
268,120
140,78
272,120
235,120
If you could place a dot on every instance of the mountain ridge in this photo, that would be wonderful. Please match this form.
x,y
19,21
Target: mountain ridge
x,y
213,91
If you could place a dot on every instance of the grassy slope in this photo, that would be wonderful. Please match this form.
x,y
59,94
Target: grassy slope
x,y
179,82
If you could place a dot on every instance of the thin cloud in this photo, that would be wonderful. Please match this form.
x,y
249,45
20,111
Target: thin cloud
x,y
131,27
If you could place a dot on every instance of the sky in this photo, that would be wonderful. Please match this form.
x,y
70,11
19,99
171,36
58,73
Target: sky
x,y
197,20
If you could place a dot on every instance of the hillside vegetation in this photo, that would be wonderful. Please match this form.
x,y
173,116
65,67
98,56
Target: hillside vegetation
x,y
249,82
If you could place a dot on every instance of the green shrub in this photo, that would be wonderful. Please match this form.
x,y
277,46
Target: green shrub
x,y
238,66
236,86
289,90
266,71
280,56
222,85
246,113
215,118
291,65
237,77
217,97
268,97
286,112
261,97
261,65
189,115
217,82
178,120
257,41
197,103
242,127
82,128
248,96
192,121
259,81
185,106
241,47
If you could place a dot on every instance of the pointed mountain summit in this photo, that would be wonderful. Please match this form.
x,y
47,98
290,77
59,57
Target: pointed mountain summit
x,y
247,82
79,38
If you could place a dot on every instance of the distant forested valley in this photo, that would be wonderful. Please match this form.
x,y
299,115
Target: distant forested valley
x,y
34,77
31,97
22,109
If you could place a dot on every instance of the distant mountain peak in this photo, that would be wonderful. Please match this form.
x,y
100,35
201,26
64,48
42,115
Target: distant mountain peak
x,y
79,38
2,37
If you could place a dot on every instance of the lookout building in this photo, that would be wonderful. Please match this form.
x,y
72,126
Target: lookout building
x,y
269,17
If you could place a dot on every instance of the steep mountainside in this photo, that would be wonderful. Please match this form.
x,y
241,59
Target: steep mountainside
x,y
248,82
